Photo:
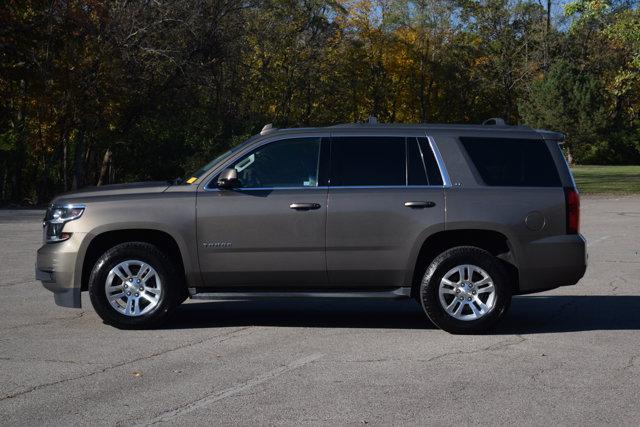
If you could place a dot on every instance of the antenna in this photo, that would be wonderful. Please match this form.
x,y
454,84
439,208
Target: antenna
x,y
267,128
494,121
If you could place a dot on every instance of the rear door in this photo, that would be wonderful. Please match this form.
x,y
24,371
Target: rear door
x,y
385,195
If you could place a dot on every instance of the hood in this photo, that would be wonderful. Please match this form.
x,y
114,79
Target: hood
x,y
133,188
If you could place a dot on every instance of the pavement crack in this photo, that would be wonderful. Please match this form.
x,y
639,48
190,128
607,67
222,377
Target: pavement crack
x,y
45,322
6,285
536,376
386,359
632,361
232,391
497,346
33,359
614,288
614,261
506,343
224,337
557,313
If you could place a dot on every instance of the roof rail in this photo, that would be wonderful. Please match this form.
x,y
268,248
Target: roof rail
x,y
494,121
267,128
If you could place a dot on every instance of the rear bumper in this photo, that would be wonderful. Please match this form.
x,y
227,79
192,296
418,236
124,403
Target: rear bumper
x,y
56,269
553,262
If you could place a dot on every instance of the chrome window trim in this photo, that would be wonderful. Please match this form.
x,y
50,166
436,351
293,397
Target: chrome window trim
x,y
408,187
349,187
446,182
241,189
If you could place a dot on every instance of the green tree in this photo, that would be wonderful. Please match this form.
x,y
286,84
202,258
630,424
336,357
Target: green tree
x,y
569,102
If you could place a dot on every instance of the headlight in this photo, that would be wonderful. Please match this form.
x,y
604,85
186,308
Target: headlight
x,y
55,219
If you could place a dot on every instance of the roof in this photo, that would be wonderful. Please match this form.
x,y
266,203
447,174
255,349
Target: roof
x,y
499,126
424,126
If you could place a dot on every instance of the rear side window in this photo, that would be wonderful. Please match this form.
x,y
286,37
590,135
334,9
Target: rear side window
x,y
512,162
383,161
368,161
430,164
416,174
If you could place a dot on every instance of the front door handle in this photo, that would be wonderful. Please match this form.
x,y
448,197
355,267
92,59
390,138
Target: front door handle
x,y
304,206
420,205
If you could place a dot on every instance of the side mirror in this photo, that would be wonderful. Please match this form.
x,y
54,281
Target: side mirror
x,y
228,179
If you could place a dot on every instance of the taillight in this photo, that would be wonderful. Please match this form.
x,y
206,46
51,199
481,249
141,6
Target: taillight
x,y
572,202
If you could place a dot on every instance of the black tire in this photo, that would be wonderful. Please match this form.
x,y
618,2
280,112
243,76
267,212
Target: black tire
x,y
443,263
173,288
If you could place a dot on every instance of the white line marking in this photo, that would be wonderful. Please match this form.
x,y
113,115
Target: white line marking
x,y
212,398
593,242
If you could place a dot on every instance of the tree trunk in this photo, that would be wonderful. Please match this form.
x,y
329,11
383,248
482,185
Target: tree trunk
x,y
17,185
104,169
569,156
64,165
78,162
3,186
545,60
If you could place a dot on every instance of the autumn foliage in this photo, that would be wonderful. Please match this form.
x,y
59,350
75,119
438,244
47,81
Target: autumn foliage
x,y
95,92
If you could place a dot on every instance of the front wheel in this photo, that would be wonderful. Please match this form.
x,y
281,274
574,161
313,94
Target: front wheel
x,y
134,285
465,290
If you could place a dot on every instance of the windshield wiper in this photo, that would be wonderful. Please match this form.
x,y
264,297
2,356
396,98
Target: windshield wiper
x,y
175,181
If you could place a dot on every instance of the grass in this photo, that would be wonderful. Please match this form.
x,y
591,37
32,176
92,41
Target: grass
x,y
607,179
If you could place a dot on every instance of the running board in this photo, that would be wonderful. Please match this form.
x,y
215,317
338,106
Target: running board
x,y
398,293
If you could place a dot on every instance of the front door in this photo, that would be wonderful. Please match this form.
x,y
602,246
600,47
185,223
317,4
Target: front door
x,y
270,232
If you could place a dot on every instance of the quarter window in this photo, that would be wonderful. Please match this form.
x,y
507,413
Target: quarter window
x,y
512,162
285,163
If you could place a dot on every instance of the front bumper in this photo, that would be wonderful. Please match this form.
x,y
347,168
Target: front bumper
x,y
56,269
552,262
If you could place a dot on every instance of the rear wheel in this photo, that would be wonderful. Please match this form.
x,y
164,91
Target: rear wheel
x,y
135,285
465,290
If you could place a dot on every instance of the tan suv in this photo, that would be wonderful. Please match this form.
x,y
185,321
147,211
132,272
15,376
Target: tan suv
x,y
458,217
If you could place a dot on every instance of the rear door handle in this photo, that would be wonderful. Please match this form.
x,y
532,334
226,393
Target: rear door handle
x,y
304,206
420,205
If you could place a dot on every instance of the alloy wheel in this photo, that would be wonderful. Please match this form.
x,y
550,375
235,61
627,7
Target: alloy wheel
x,y
133,288
467,292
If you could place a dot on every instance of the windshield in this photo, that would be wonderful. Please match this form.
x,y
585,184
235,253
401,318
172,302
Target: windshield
x,y
206,168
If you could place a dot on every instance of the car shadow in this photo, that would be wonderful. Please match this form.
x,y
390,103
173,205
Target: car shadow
x,y
528,314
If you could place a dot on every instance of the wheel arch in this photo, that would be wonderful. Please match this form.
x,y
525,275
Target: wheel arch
x,y
494,242
101,242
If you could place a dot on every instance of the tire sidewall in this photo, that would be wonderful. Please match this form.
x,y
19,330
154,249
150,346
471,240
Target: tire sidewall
x,y
429,289
133,251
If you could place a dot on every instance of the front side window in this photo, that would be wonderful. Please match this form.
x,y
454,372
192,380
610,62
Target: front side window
x,y
368,161
285,163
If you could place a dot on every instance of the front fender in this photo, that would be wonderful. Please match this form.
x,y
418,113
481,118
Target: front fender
x,y
173,215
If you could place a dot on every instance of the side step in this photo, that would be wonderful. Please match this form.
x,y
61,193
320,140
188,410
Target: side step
x,y
397,293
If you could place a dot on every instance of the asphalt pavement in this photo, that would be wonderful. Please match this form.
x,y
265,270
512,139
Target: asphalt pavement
x,y
568,356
